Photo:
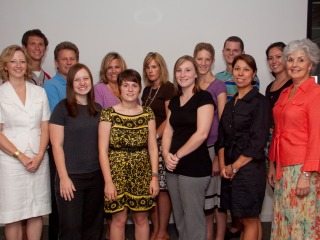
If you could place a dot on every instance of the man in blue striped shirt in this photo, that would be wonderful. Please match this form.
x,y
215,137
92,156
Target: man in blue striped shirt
x,y
233,47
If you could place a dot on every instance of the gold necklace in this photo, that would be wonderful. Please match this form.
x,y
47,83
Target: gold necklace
x,y
149,98
116,93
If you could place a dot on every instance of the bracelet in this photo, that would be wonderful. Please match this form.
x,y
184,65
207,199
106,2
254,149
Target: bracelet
x,y
16,154
178,156
307,174
306,178
153,174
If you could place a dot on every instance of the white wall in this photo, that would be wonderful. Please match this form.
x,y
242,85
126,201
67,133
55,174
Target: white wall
x,y
170,27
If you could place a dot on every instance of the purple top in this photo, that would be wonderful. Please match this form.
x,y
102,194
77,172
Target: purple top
x,y
215,88
104,96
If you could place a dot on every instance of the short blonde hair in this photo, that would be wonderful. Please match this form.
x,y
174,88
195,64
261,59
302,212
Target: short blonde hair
x,y
5,57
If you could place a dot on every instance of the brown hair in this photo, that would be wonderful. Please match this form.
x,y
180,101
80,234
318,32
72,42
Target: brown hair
x,y
129,75
204,46
68,46
71,101
248,59
33,33
234,39
181,60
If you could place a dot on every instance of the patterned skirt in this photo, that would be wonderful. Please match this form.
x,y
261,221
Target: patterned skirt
x,y
295,218
162,169
131,175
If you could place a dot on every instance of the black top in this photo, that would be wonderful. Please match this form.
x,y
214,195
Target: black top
x,y
184,123
157,105
273,96
244,127
80,143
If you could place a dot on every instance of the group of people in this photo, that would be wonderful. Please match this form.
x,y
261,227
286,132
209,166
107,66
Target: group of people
x,y
199,146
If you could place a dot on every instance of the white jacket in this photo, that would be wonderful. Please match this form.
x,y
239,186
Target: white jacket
x,y
21,123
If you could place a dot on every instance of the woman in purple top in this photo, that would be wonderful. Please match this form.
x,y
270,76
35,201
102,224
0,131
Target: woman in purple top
x,y
106,91
204,56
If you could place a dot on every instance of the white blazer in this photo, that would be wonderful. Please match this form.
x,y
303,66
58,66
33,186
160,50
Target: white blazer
x,y
21,123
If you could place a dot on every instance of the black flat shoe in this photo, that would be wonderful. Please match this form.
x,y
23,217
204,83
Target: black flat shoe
x,y
230,235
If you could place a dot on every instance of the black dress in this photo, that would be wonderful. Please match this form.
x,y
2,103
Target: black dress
x,y
243,129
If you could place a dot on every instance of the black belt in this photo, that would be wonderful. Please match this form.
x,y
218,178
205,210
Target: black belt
x,y
128,149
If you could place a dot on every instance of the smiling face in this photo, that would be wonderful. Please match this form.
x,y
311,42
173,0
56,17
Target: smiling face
x,y
129,91
35,48
186,75
298,66
16,66
230,51
66,59
275,60
243,74
113,70
82,83
204,61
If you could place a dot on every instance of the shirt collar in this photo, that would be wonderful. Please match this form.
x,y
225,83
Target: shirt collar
x,y
61,79
303,86
250,95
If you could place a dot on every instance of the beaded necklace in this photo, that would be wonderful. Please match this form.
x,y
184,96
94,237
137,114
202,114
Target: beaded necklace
x,y
151,98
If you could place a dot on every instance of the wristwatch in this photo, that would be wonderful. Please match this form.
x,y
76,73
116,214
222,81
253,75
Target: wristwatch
x,y
234,170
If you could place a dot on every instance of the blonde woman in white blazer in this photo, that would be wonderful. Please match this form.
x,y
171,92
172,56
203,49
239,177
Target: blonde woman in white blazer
x,y
24,136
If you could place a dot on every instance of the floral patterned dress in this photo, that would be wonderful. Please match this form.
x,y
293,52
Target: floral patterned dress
x,y
129,160
295,218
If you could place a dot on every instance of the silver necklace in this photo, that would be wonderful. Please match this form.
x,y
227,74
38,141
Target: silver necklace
x,y
149,97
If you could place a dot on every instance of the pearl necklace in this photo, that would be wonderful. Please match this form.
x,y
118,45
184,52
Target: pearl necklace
x,y
149,97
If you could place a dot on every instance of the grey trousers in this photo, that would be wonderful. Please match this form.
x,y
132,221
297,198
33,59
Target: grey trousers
x,y
188,197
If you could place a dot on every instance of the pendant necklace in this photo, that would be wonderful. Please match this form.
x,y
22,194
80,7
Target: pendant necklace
x,y
151,98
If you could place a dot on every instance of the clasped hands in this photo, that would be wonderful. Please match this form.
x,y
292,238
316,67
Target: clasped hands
x,y
31,164
226,172
171,161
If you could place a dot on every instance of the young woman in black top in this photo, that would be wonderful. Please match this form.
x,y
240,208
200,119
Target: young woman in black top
x,y
74,138
274,89
185,151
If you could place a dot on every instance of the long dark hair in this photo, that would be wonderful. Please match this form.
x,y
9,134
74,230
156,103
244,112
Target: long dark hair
x,y
280,46
71,101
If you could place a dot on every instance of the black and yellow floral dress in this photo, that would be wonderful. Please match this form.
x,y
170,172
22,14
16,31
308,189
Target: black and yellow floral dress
x,y
129,160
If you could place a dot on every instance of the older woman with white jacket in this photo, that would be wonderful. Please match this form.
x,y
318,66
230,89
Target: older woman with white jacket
x,y
24,136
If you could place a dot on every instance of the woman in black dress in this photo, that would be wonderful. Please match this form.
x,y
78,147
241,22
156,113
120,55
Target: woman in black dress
x,y
243,133
273,90
156,95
